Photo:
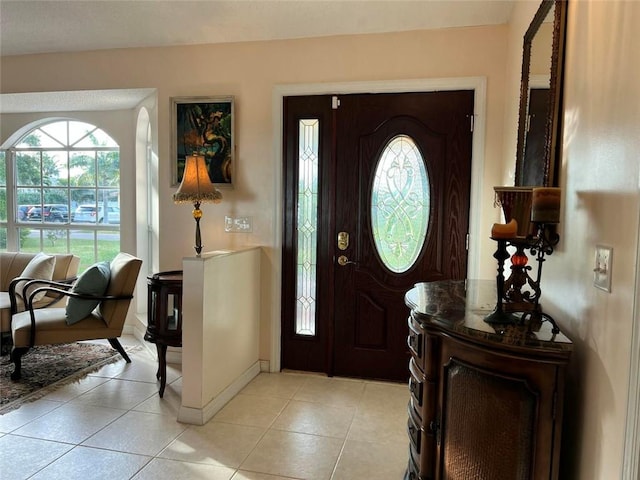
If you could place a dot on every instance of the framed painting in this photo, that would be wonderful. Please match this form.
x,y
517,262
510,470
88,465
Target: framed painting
x,y
203,125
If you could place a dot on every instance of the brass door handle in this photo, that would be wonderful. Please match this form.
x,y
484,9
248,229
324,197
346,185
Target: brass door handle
x,y
343,260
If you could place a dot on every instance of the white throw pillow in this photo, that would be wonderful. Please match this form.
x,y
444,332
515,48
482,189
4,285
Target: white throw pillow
x,y
40,267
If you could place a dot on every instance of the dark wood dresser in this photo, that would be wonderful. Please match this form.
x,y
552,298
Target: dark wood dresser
x,y
486,401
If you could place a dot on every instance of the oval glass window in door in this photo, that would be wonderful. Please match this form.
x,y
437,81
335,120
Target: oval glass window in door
x,y
400,204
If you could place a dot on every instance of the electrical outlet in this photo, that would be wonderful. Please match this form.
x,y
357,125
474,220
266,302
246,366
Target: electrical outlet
x,y
602,268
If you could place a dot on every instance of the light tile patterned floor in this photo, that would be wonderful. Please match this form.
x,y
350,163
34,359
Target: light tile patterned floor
x,y
112,425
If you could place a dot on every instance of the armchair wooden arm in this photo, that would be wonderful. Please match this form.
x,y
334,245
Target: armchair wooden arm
x,y
60,284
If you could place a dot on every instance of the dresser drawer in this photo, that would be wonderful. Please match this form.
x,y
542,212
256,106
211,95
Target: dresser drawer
x,y
424,394
431,350
417,468
414,430
416,381
412,469
415,341
422,463
424,349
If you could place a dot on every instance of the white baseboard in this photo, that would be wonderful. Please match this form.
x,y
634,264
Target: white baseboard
x,y
200,416
264,366
174,355
138,330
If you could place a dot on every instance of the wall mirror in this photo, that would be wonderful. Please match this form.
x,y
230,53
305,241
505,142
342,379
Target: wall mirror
x,y
540,117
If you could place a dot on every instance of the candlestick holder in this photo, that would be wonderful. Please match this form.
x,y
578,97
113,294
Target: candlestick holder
x,y
518,296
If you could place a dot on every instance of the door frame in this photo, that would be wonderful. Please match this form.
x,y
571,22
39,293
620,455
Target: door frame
x,y
477,84
631,450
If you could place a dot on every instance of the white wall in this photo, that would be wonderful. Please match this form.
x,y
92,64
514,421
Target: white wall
x,y
600,176
250,71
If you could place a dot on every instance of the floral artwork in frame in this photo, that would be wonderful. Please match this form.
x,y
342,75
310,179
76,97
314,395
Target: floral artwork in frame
x,y
203,125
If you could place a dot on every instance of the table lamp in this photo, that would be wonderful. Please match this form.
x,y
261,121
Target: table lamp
x,y
196,188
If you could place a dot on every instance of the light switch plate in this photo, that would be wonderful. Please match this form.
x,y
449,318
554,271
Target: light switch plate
x,y
603,267
238,224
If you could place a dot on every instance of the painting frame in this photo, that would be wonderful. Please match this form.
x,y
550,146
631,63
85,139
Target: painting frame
x,y
204,125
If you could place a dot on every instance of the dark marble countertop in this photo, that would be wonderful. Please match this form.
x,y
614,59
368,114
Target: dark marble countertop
x,y
460,307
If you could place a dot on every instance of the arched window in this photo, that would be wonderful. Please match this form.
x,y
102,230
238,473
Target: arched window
x,y
60,192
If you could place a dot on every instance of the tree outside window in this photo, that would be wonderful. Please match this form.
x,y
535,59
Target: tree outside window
x,y
66,192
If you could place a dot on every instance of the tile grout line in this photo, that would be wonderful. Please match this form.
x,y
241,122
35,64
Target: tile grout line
x,y
346,437
360,404
268,428
124,412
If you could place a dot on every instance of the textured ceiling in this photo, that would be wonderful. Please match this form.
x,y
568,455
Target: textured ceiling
x,y
39,26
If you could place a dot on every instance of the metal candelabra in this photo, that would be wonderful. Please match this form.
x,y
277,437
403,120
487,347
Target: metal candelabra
x,y
518,296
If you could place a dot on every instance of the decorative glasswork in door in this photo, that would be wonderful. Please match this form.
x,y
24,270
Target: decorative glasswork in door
x,y
400,202
307,227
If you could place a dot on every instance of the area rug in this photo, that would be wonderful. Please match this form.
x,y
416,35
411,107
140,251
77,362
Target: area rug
x,y
49,367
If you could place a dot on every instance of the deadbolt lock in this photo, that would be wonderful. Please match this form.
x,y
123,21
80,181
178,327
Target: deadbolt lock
x,y
343,240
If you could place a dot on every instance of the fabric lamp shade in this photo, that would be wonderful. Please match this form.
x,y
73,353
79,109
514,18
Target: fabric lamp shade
x,y
196,185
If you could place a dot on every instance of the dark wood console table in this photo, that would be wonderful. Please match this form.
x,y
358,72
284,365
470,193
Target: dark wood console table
x,y
164,322
486,400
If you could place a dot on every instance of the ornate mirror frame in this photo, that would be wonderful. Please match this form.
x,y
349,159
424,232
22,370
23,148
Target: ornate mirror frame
x,y
543,170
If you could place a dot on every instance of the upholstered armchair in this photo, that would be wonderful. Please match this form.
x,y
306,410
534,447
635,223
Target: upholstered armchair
x,y
12,266
96,308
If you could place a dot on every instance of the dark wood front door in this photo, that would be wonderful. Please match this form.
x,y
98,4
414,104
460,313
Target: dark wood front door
x,y
394,178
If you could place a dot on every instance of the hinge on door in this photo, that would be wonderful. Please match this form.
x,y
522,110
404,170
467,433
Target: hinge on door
x,y
466,242
472,119
335,102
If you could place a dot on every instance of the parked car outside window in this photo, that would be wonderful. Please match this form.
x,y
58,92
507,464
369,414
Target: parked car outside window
x,y
49,213
90,214
22,212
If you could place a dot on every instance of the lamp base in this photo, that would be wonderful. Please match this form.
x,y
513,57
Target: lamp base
x,y
197,215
